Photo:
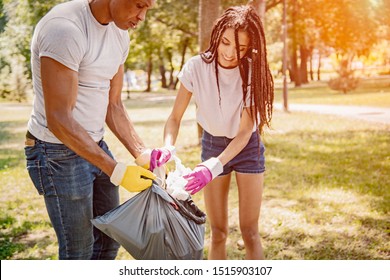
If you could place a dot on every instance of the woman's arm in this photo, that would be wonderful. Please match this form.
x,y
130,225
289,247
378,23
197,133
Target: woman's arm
x,y
172,125
241,140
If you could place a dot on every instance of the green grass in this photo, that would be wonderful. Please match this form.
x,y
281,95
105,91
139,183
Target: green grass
x,y
327,195
327,183
373,92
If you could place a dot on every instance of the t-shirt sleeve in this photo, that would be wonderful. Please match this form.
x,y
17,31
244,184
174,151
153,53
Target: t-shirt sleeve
x,y
61,40
186,75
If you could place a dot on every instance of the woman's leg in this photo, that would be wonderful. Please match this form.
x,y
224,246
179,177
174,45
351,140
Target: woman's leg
x,y
216,199
250,191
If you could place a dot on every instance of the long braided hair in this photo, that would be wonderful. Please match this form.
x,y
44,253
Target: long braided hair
x,y
245,18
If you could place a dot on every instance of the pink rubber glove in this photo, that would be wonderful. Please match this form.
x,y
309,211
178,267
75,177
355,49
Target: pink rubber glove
x,y
160,156
203,173
197,179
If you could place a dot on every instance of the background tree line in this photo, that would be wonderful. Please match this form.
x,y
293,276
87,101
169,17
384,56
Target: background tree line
x,y
176,30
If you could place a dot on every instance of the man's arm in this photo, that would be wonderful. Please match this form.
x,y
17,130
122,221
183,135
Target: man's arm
x,y
60,85
118,120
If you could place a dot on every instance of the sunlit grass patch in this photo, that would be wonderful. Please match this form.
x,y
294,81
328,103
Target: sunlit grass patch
x,y
325,180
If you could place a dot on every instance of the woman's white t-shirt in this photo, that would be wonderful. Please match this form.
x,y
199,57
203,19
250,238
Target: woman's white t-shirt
x,y
219,117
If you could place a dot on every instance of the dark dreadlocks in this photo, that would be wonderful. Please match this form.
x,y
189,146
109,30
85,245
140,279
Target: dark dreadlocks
x,y
245,18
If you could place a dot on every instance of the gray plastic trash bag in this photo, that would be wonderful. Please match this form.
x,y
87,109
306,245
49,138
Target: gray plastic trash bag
x,y
154,226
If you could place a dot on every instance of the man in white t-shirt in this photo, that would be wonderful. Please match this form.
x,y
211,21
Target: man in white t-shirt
x,y
77,54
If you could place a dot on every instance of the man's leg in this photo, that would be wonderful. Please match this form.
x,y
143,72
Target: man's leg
x,y
105,198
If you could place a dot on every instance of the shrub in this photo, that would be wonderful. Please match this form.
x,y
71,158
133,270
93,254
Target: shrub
x,y
346,81
14,81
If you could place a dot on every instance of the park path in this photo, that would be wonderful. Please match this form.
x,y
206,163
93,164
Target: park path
x,y
378,115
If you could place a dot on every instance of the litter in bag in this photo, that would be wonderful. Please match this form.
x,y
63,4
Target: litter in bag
x,y
175,183
152,225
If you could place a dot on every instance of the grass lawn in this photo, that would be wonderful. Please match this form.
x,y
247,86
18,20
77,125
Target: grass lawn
x,y
327,184
372,92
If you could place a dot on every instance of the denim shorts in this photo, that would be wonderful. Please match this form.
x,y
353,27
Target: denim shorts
x,y
250,160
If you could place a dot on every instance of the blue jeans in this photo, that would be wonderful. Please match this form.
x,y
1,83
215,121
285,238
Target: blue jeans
x,y
249,160
75,191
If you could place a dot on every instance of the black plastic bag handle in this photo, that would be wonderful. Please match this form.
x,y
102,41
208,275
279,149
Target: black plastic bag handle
x,y
189,210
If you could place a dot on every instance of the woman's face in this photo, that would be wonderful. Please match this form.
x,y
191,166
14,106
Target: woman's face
x,y
227,52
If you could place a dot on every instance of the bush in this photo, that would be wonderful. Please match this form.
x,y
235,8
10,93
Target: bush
x,y
344,83
14,82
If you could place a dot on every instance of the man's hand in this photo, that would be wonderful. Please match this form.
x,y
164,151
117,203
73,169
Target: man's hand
x,y
161,156
150,159
132,178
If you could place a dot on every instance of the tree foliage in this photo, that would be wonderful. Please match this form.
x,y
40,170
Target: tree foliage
x,y
346,28
158,44
170,35
17,21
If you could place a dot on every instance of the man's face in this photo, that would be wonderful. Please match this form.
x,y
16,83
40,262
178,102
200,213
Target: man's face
x,y
126,14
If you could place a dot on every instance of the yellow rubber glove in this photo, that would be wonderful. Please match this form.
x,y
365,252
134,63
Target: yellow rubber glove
x,y
132,178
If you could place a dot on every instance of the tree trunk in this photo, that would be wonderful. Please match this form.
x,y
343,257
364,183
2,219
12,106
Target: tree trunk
x,y
311,65
162,69
294,48
319,67
183,58
294,72
128,82
259,6
208,13
149,71
304,52
169,55
163,78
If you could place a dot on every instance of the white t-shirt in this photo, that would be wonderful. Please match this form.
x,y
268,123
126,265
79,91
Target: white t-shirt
x,y
71,35
199,78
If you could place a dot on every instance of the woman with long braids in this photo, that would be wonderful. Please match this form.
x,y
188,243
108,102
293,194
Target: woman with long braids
x,y
233,91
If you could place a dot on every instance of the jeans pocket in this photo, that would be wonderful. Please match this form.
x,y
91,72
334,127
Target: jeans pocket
x,y
34,170
38,171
